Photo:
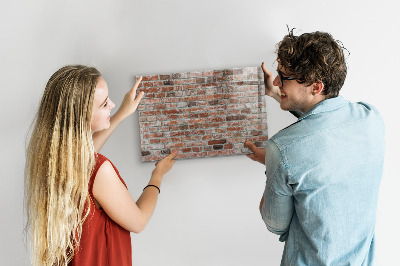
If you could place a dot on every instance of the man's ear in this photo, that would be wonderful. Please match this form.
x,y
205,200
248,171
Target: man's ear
x,y
317,88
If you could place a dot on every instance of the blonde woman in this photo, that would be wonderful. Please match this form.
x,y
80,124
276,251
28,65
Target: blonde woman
x,y
79,211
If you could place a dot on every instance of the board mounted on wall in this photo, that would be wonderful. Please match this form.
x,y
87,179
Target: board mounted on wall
x,y
203,114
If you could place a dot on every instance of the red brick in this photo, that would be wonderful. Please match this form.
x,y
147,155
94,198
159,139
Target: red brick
x,y
179,133
148,78
167,89
150,113
174,145
165,77
228,146
235,129
192,110
184,81
195,121
207,137
200,80
212,97
186,150
151,118
165,140
147,84
170,123
236,117
219,141
192,98
189,87
195,143
172,111
195,74
198,132
207,148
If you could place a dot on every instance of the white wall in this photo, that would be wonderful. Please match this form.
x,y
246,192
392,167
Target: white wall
x,y
208,208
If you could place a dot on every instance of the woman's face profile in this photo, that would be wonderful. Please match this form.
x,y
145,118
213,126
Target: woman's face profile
x,y
102,106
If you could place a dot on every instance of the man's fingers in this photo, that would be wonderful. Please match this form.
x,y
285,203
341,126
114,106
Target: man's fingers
x,y
251,146
251,156
265,69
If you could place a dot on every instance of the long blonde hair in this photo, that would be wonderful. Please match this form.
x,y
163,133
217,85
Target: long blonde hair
x,y
59,161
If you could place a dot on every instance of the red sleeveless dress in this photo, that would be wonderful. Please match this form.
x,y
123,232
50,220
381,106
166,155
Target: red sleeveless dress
x,y
103,241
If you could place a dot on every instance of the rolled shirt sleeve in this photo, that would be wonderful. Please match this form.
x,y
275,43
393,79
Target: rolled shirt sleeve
x,y
277,209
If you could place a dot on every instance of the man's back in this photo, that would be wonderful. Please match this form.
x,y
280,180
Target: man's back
x,y
329,165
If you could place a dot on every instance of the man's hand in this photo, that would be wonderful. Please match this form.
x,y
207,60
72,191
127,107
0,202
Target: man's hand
x,y
270,89
258,155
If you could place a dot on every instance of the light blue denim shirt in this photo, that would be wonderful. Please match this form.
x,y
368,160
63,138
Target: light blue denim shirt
x,y
323,176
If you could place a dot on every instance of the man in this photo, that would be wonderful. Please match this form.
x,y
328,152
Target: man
x,y
323,171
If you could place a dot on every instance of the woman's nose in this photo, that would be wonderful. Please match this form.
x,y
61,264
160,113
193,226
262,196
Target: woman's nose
x,y
112,105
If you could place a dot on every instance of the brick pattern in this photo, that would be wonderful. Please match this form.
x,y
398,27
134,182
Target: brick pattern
x,y
203,114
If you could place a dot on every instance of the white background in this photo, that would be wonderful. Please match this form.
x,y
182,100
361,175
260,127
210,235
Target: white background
x,y
208,208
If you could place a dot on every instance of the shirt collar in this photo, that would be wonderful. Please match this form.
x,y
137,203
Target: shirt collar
x,y
325,106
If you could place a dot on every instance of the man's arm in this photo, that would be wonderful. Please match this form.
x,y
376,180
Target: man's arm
x,y
274,91
276,205
270,89
128,107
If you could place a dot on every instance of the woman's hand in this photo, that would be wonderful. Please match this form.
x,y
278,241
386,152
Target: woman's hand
x,y
130,102
163,166
270,89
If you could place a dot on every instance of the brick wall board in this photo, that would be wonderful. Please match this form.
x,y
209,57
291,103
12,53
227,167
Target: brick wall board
x,y
202,113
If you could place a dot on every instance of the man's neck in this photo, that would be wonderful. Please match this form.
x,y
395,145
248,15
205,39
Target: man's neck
x,y
316,100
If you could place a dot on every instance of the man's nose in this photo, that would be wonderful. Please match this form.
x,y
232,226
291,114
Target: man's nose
x,y
277,81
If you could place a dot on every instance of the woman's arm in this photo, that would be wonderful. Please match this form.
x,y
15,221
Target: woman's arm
x,y
116,201
128,107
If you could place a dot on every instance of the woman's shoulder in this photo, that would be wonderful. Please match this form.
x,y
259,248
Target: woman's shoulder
x,y
100,158
105,167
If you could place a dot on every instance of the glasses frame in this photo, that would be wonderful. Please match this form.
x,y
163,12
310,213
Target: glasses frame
x,y
282,78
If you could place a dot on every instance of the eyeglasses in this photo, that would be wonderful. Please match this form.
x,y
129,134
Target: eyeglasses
x,y
282,78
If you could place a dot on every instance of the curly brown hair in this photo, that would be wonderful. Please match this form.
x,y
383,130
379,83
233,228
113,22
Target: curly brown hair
x,y
314,57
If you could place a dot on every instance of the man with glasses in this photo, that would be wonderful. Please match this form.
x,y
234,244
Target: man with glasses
x,y
323,171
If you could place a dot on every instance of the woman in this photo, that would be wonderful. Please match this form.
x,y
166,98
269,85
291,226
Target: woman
x,y
78,207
